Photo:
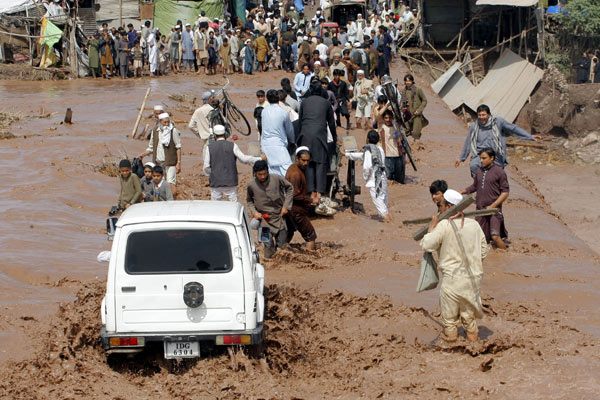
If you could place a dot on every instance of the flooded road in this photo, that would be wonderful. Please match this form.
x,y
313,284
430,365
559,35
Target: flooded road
x,y
541,294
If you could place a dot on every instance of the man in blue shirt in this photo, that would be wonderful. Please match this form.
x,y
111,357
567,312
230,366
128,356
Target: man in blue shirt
x,y
302,81
277,133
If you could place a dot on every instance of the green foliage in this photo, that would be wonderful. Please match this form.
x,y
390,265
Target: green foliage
x,y
582,17
560,60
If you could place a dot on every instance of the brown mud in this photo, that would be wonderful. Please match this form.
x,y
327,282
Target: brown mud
x,y
343,321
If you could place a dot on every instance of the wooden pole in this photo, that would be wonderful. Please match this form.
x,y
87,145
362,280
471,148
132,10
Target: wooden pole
x,y
476,213
139,118
520,30
464,203
120,13
438,54
517,144
73,49
499,26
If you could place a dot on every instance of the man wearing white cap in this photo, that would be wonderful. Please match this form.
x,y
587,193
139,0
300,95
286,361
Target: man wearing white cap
x,y
364,93
461,247
187,46
165,147
199,123
220,165
298,219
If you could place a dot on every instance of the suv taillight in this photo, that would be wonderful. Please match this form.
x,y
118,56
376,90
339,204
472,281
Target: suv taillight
x,y
126,341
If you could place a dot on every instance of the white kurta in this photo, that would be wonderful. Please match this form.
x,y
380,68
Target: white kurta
x,y
152,53
460,290
379,200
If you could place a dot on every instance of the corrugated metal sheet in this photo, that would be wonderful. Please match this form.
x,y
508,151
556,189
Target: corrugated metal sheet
x,y
515,3
504,89
452,86
13,6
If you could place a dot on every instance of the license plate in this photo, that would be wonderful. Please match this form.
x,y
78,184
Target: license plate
x,y
182,349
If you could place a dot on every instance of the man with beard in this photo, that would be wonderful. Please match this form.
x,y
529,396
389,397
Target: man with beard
x,y
489,132
269,199
165,147
298,217
316,115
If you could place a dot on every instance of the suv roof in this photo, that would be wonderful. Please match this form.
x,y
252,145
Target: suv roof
x,y
183,210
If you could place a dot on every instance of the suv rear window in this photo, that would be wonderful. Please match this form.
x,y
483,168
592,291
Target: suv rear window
x,y
178,252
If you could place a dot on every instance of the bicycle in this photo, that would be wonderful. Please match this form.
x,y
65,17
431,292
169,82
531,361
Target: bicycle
x,y
232,115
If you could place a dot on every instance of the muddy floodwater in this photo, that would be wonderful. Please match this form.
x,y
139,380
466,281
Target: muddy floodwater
x,y
342,322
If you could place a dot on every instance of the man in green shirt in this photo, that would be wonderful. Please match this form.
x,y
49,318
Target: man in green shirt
x,y
131,189
416,104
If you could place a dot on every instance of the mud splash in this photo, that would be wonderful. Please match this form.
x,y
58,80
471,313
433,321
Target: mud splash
x,y
327,344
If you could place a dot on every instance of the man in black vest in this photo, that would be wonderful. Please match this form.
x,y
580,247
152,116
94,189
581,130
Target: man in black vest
x,y
220,165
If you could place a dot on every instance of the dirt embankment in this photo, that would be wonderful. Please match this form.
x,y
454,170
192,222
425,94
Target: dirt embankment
x,y
570,112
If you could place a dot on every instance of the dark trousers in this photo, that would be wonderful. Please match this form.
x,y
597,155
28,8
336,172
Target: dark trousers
x,y
277,240
298,220
316,177
342,109
395,168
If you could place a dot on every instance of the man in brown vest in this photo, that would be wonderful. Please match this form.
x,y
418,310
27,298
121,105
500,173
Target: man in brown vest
x,y
165,147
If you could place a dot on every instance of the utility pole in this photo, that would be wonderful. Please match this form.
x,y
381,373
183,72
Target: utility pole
x,y
120,13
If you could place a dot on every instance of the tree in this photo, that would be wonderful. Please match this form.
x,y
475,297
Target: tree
x,y
581,17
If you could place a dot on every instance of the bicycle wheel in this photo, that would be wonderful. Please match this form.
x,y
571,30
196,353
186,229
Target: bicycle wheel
x,y
237,120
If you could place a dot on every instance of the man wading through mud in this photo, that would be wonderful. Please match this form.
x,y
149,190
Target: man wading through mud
x,y
491,184
461,247
489,132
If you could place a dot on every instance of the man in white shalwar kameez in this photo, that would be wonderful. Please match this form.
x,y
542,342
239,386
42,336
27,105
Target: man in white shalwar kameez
x,y
373,158
460,299
277,133
153,52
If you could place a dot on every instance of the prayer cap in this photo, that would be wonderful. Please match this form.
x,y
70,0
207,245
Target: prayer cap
x,y
357,44
177,26
188,25
348,45
163,115
360,72
149,164
219,130
452,196
302,148
206,95
159,108
305,38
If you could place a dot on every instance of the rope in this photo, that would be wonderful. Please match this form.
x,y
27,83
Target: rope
x,y
29,36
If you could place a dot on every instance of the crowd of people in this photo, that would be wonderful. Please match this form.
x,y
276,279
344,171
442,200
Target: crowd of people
x,y
300,148
275,37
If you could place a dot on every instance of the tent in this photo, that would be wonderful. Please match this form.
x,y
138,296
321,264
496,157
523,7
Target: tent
x,y
167,12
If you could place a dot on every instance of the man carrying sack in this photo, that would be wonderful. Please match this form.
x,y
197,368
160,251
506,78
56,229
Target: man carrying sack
x,y
461,247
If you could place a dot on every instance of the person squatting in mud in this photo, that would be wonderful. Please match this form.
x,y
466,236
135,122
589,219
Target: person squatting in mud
x,y
269,199
298,219
461,247
491,185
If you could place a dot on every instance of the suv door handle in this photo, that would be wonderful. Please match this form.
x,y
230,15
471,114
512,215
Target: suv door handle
x,y
128,289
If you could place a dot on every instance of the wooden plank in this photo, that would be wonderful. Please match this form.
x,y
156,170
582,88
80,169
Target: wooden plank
x,y
465,202
476,213
139,118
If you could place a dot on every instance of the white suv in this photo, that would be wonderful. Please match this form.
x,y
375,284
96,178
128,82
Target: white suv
x,y
183,273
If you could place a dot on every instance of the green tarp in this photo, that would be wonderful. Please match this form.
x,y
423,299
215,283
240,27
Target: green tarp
x,y
167,12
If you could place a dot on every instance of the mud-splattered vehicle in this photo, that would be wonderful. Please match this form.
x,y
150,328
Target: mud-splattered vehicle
x,y
185,273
